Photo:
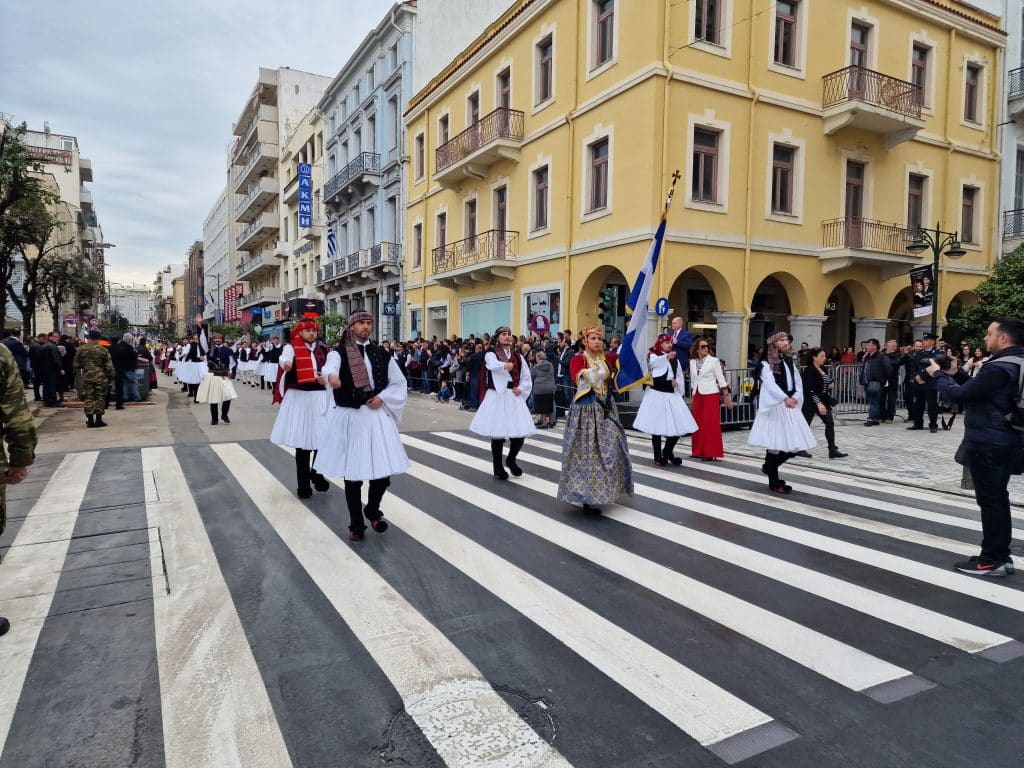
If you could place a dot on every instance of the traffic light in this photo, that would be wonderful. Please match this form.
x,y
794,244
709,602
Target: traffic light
x,y
605,305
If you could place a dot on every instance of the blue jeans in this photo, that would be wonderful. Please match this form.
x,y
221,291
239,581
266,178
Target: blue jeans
x,y
131,387
874,403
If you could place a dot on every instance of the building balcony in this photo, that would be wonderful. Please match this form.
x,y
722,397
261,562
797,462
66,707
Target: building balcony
x,y
85,169
847,242
1015,91
290,194
262,159
256,199
350,180
477,259
495,137
263,124
262,297
856,97
1013,224
260,229
298,293
85,199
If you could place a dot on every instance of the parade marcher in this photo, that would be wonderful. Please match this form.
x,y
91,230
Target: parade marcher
x,y
359,438
94,373
216,388
993,446
818,400
663,412
18,432
505,385
304,400
270,365
595,454
710,392
191,367
243,363
779,426
923,394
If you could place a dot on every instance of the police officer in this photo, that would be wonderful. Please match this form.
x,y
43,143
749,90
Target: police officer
x,y
94,373
18,432
922,387
992,449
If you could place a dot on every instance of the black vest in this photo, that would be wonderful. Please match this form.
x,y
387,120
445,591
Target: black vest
x,y
664,383
291,376
347,396
780,377
193,352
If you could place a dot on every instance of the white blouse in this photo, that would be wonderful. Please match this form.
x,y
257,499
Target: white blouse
x,y
706,376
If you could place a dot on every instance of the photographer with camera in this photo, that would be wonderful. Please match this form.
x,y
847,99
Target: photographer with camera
x,y
993,446
922,386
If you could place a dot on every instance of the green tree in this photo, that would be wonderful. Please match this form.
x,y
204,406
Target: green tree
x,y
66,277
332,324
1001,294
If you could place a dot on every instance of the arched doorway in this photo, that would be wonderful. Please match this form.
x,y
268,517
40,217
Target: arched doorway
x,y
693,298
901,317
602,301
953,335
769,312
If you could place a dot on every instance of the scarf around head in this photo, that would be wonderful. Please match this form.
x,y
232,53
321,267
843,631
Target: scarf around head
x,y
772,353
656,349
354,353
305,370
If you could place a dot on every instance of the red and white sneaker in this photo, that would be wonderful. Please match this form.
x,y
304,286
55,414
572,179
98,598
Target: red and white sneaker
x,y
975,566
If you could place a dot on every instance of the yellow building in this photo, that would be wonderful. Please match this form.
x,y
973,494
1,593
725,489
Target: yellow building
x,y
812,137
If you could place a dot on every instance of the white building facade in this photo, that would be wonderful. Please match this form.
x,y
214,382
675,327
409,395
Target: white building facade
x,y
132,302
217,256
1011,188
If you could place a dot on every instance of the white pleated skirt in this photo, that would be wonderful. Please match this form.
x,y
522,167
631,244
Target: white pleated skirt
x,y
171,365
781,429
189,372
664,413
215,389
360,444
502,415
300,418
269,372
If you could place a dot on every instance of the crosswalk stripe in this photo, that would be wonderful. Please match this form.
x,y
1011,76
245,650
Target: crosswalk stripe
x,y
944,629
50,523
216,711
830,658
437,683
981,589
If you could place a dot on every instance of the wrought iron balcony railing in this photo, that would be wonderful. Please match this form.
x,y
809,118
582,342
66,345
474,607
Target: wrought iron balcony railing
x,y
867,235
855,83
1015,82
492,245
365,162
1013,223
385,253
502,123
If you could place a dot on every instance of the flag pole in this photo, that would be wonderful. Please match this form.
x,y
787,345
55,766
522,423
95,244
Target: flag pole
x,y
671,192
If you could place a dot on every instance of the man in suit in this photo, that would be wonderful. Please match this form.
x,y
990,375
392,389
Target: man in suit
x,y
682,340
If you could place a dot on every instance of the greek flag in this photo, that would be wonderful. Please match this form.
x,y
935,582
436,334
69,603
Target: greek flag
x,y
633,354
332,241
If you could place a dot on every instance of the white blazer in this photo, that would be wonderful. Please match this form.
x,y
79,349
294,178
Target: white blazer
x,y
711,379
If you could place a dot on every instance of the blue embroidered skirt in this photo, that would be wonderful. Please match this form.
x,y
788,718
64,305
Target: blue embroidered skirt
x,y
595,455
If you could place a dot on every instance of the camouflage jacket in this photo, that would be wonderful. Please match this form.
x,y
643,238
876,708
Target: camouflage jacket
x,y
16,425
93,363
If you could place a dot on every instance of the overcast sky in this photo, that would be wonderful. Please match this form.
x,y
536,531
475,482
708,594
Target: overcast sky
x,y
151,90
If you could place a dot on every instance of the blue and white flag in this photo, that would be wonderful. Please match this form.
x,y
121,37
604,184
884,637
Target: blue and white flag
x,y
332,240
633,353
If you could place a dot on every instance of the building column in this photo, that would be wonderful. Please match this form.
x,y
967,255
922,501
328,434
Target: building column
x,y
923,326
869,328
729,339
806,328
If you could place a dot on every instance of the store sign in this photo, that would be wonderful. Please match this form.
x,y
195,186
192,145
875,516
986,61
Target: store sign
x,y
390,309
232,295
439,313
305,195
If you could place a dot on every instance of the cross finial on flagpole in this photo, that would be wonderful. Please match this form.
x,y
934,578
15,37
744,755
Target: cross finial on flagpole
x,y
676,175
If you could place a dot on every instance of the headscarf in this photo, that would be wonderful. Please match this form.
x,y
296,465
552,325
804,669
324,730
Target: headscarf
x,y
772,351
356,361
504,355
656,349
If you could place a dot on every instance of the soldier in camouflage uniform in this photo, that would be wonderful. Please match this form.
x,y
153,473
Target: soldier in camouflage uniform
x,y
19,433
94,372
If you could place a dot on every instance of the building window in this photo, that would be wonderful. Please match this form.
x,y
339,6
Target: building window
x,y
919,70
417,246
785,32
971,88
442,230
473,108
967,233
1018,181
442,130
915,201
418,156
706,21
783,165
505,88
501,209
545,69
394,123
598,198
471,219
704,185
604,31
370,81
540,199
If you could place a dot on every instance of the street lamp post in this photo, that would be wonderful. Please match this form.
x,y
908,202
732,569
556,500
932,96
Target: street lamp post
x,y
937,241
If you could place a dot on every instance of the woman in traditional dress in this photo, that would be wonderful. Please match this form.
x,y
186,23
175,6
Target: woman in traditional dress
x,y
216,388
707,380
595,454
663,412
304,400
503,413
779,425
191,367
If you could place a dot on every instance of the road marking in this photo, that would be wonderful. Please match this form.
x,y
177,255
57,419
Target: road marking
x,y
457,710
216,712
52,520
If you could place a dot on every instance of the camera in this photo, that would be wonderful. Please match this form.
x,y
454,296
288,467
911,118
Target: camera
x,y
941,360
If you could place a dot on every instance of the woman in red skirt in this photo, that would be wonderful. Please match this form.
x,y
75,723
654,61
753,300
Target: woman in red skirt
x,y
707,381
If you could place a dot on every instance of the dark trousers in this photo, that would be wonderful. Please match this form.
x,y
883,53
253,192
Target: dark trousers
x,y
354,501
889,403
827,420
990,471
772,463
474,390
118,389
224,408
922,397
26,377
50,381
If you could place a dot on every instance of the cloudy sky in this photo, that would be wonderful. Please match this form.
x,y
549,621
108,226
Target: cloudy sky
x,y
151,90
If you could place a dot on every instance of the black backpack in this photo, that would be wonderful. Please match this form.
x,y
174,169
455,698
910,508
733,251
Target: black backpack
x,y
1016,414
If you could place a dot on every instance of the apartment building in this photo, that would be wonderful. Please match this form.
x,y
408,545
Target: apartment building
x,y
161,300
1012,129
195,299
540,159
364,189
272,112
217,256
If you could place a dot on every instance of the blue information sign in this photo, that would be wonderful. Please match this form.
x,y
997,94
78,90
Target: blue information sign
x,y
661,307
390,309
305,171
